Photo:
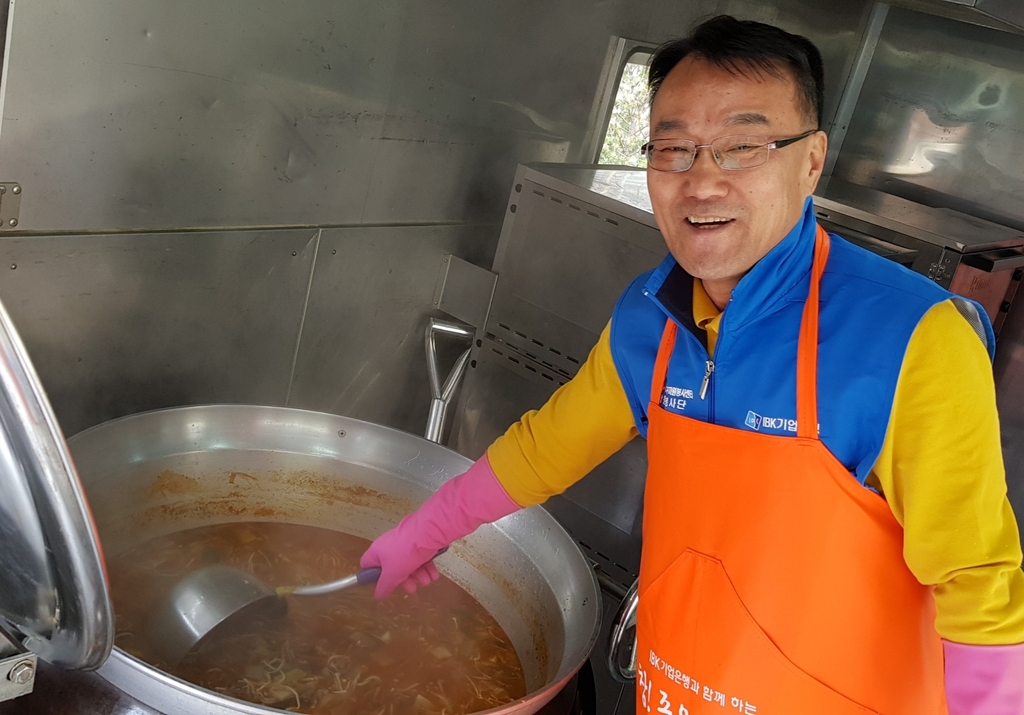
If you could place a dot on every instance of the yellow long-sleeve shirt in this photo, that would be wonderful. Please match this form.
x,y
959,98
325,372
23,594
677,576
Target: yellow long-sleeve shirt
x,y
940,468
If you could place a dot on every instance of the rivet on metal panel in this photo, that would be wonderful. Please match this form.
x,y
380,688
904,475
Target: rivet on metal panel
x,y
16,190
295,253
3,189
13,222
341,433
14,266
22,673
512,208
334,252
519,188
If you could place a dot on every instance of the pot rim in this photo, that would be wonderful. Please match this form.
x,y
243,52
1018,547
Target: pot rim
x,y
124,660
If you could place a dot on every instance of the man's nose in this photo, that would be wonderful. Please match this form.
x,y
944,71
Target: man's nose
x,y
705,179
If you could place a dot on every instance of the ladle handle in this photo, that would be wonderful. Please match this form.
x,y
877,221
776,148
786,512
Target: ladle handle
x,y
372,574
368,576
364,578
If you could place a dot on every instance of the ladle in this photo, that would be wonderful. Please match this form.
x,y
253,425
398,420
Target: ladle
x,y
215,597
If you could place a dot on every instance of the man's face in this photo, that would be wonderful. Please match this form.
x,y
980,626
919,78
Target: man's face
x,y
751,210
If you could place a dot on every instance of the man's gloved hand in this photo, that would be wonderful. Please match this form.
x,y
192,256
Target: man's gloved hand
x,y
405,553
984,679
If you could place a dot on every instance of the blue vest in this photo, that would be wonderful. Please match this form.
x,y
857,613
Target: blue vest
x,y
870,307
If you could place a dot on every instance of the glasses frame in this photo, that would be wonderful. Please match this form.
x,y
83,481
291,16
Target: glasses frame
x,y
776,144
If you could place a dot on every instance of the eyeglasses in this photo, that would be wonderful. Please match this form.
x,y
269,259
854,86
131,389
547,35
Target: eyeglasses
x,y
731,153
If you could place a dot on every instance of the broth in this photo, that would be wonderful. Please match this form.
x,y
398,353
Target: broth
x,y
435,652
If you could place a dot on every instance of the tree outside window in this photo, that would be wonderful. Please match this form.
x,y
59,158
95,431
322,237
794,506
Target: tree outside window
x,y
628,127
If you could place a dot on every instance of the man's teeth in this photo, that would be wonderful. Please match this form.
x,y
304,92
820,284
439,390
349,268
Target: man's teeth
x,y
704,220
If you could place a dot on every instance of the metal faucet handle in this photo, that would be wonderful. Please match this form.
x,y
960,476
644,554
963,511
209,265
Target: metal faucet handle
x,y
441,394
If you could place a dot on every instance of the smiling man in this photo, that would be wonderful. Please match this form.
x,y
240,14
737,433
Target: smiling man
x,y
826,527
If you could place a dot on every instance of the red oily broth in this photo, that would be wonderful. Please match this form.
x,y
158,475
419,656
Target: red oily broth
x,y
437,651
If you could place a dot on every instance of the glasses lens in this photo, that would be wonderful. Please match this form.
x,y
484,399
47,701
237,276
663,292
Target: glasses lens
x,y
670,154
740,152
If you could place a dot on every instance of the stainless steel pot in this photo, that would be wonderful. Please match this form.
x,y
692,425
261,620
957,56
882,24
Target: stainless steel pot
x,y
165,471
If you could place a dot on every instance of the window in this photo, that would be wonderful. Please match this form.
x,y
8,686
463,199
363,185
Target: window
x,y
628,125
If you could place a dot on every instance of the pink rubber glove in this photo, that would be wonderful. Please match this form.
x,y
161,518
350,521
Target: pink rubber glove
x,y
405,553
984,679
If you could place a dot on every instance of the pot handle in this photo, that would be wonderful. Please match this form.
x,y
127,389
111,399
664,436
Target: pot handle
x,y
625,620
441,394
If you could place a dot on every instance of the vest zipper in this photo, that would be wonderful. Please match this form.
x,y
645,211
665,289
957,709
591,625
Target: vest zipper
x,y
708,370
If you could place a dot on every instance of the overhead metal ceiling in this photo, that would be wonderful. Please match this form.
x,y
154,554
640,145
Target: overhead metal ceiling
x,y
1006,15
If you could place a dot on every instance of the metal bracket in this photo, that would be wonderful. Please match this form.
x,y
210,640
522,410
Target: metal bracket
x,y
17,676
941,271
10,205
17,668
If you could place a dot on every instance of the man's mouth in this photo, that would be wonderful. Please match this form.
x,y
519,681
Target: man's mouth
x,y
707,222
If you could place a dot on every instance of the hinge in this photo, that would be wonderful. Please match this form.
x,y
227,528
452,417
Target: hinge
x,y
10,205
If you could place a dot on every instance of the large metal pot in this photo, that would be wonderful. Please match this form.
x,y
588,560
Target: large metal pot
x,y
159,472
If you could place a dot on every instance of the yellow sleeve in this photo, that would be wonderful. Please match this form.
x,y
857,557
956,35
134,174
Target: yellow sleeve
x,y
586,421
941,471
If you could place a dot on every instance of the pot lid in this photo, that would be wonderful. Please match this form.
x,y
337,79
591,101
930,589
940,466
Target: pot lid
x,y
54,599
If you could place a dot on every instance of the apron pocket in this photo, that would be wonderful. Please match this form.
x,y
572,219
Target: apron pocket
x,y
701,650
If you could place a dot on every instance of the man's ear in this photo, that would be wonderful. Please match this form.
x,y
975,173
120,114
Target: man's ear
x,y
815,160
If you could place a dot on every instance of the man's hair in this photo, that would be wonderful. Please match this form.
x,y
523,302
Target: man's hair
x,y
744,47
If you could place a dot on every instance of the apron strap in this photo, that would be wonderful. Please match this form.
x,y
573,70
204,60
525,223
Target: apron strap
x,y
807,352
668,343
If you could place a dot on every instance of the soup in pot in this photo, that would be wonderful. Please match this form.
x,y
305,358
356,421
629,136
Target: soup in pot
x,y
434,652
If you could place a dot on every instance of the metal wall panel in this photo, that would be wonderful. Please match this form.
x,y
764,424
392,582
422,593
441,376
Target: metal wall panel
x,y
941,118
123,323
192,114
479,87
243,113
362,348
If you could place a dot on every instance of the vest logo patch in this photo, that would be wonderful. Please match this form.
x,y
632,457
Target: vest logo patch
x,y
755,422
674,398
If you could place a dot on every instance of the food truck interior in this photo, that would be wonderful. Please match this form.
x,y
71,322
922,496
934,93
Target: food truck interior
x,y
255,203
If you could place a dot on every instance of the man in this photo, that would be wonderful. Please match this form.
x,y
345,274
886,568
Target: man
x,y
826,528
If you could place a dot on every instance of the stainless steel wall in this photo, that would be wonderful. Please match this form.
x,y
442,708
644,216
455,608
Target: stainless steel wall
x,y
941,117
329,320
256,113
252,113
121,323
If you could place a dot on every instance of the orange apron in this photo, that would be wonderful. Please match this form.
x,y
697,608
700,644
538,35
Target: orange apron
x,y
771,582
